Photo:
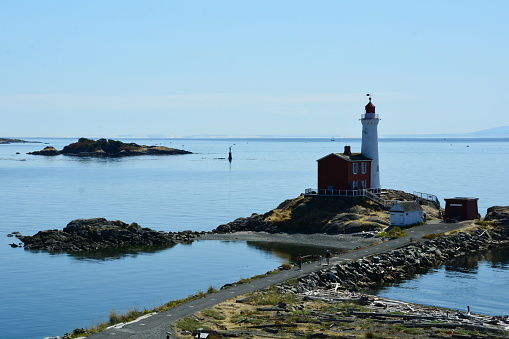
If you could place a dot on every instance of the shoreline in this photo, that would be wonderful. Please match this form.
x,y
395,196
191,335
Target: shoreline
x,y
327,241
312,277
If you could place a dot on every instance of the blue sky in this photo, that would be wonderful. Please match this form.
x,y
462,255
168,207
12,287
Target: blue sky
x,y
251,68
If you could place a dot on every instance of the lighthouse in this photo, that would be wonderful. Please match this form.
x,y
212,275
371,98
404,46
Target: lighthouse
x,y
369,148
349,173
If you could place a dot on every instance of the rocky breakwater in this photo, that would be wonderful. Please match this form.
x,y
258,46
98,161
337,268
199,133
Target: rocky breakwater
x,y
98,233
401,263
108,148
324,214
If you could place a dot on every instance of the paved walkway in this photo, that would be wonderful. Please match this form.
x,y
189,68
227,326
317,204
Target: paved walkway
x,y
157,326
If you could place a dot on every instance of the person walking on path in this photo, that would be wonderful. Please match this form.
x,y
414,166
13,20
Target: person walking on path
x,y
327,257
299,261
319,260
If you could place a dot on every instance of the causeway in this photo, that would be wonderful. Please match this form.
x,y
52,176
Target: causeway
x,y
159,325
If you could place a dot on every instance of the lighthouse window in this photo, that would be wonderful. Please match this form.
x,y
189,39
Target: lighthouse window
x,y
355,168
363,168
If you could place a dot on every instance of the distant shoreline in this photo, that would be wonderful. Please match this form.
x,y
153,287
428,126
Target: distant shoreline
x,y
386,137
17,141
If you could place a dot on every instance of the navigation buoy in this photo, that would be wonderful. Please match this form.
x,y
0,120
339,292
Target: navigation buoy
x,y
230,155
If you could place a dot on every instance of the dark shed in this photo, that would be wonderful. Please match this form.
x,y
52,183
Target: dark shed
x,y
461,208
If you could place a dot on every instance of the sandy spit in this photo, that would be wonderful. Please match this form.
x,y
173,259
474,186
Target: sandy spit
x,y
336,241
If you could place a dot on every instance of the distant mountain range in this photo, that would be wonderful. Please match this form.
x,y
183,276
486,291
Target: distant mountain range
x,y
495,132
502,131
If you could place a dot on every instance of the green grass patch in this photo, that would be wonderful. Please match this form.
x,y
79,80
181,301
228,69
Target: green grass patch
x,y
432,236
213,314
190,324
482,222
117,318
394,232
271,296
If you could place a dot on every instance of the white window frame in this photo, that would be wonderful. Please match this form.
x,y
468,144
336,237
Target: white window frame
x,y
364,168
364,183
355,168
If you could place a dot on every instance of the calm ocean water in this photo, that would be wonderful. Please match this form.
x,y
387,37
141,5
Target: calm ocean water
x,y
49,294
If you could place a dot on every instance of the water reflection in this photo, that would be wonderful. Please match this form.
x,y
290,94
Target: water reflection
x,y
111,254
478,280
288,252
469,264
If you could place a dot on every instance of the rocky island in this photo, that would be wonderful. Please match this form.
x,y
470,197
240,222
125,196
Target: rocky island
x,y
95,234
12,141
108,148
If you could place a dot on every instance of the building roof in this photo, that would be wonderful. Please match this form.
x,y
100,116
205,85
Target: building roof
x,y
461,198
370,108
349,157
407,206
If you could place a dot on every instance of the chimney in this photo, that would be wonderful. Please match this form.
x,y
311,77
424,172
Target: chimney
x,y
347,151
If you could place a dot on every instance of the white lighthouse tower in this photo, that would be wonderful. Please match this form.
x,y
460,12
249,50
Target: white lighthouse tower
x,y
369,146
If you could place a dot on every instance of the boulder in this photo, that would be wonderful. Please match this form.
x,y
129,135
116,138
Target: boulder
x,y
498,215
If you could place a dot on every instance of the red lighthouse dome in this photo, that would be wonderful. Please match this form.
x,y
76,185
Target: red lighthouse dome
x,y
370,108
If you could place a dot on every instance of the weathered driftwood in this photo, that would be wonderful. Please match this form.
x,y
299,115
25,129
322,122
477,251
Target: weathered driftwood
x,y
455,325
271,309
391,315
273,325
355,300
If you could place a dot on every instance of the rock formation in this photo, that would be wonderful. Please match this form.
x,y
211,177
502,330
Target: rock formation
x,y
498,215
108,148
17,141
99,233
48,150
323,214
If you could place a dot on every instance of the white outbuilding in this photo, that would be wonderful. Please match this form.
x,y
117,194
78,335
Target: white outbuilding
x,y
404,213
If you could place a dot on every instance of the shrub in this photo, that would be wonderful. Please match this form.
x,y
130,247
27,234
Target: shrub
x,y
286,266
211,290
394,232
482,222
432,236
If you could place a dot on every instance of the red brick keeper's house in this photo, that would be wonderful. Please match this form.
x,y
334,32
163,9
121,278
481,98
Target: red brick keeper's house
x,y
341,172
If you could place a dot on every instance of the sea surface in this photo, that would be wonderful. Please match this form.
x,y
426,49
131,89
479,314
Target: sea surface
x,y
44,294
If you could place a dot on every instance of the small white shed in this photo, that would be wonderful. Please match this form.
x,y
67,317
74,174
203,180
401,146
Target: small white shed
x,y
405,213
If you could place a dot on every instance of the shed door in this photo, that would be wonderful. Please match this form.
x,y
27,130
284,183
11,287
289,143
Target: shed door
x,y
398,219
456,212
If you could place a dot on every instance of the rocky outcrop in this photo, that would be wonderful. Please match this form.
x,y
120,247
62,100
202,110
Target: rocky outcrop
x,y
498,215
108,148
400,263
321,214
98,233
12,141
48,150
